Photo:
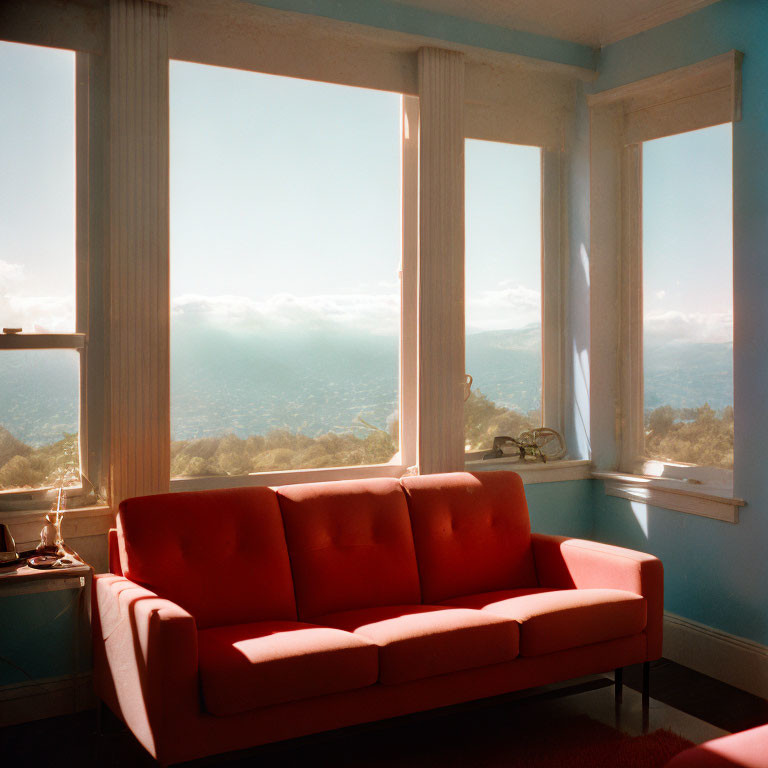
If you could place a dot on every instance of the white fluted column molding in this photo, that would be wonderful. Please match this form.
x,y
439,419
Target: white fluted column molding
x,y
137,253
441,261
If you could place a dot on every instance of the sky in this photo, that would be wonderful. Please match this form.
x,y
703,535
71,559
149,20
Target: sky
x,y
502,235
285,203
295,186
688,235
37,187
285,209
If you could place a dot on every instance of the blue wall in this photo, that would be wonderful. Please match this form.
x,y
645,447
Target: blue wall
x,y
562,508
717,573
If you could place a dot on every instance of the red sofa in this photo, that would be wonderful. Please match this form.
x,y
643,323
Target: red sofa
x,y
239,617
748,749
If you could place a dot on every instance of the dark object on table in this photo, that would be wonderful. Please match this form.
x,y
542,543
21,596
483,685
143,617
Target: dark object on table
x,y
8,552
21,559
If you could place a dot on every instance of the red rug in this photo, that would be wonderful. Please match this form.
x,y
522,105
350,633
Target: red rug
x,y
585,743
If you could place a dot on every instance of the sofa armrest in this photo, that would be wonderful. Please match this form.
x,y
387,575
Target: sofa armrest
x,y
145,660
566,563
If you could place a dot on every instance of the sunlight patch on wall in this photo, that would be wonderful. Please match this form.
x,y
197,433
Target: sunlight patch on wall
x,y
640,511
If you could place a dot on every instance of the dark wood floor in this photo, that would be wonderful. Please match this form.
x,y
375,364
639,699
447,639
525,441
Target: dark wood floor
x,y
703,697
475,734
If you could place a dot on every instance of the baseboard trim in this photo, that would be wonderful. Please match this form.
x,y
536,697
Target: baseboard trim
x,y
728,658
49,697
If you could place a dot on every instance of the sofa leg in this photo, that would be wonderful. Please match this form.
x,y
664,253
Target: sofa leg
x,y
618,683
646,684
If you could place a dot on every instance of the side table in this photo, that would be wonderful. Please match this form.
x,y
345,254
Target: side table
x,y
44,639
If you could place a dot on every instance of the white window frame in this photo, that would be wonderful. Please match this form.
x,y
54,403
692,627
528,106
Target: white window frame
x,y
633,457
79,341
406,456
688,99
125,438
505,103
552,300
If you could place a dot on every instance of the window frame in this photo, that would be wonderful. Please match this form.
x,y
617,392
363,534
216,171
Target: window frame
x,y
491,96
77,341
701,95
125,418
406,457
553,292
634,460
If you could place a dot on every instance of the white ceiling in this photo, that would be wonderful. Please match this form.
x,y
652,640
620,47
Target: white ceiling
x,y
591,22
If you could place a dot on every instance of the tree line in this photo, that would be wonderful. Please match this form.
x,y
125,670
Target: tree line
x,y
689,435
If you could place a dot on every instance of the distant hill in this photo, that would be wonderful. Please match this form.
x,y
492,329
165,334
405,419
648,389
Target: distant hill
x,y
249,384
686,375
10,446
39,393
506,366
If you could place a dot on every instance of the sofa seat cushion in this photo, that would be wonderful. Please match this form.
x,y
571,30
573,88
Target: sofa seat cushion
x,y
557,619
418,641
246,666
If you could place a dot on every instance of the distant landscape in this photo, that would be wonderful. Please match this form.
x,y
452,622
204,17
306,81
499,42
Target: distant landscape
x,y
244,403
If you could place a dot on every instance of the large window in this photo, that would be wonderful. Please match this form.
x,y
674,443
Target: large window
x,y
687,265
503,268
661,288
40,366
285,250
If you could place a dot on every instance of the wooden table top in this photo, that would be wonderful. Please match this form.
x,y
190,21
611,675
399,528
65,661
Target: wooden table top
x,y
21,572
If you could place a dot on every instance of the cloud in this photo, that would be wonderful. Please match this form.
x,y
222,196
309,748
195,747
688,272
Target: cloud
x,y
368,313
510,306
32,313
695,327
10,276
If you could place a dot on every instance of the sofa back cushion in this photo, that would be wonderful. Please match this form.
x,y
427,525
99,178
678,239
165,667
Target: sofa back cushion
x,y
219,554
350,545
472,533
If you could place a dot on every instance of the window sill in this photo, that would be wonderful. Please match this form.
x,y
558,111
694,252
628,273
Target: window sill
x,y
706,501
25,524
536,472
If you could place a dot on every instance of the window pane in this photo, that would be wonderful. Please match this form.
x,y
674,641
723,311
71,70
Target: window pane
x,y
503,290
39,396
37,188
688,297
285,248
